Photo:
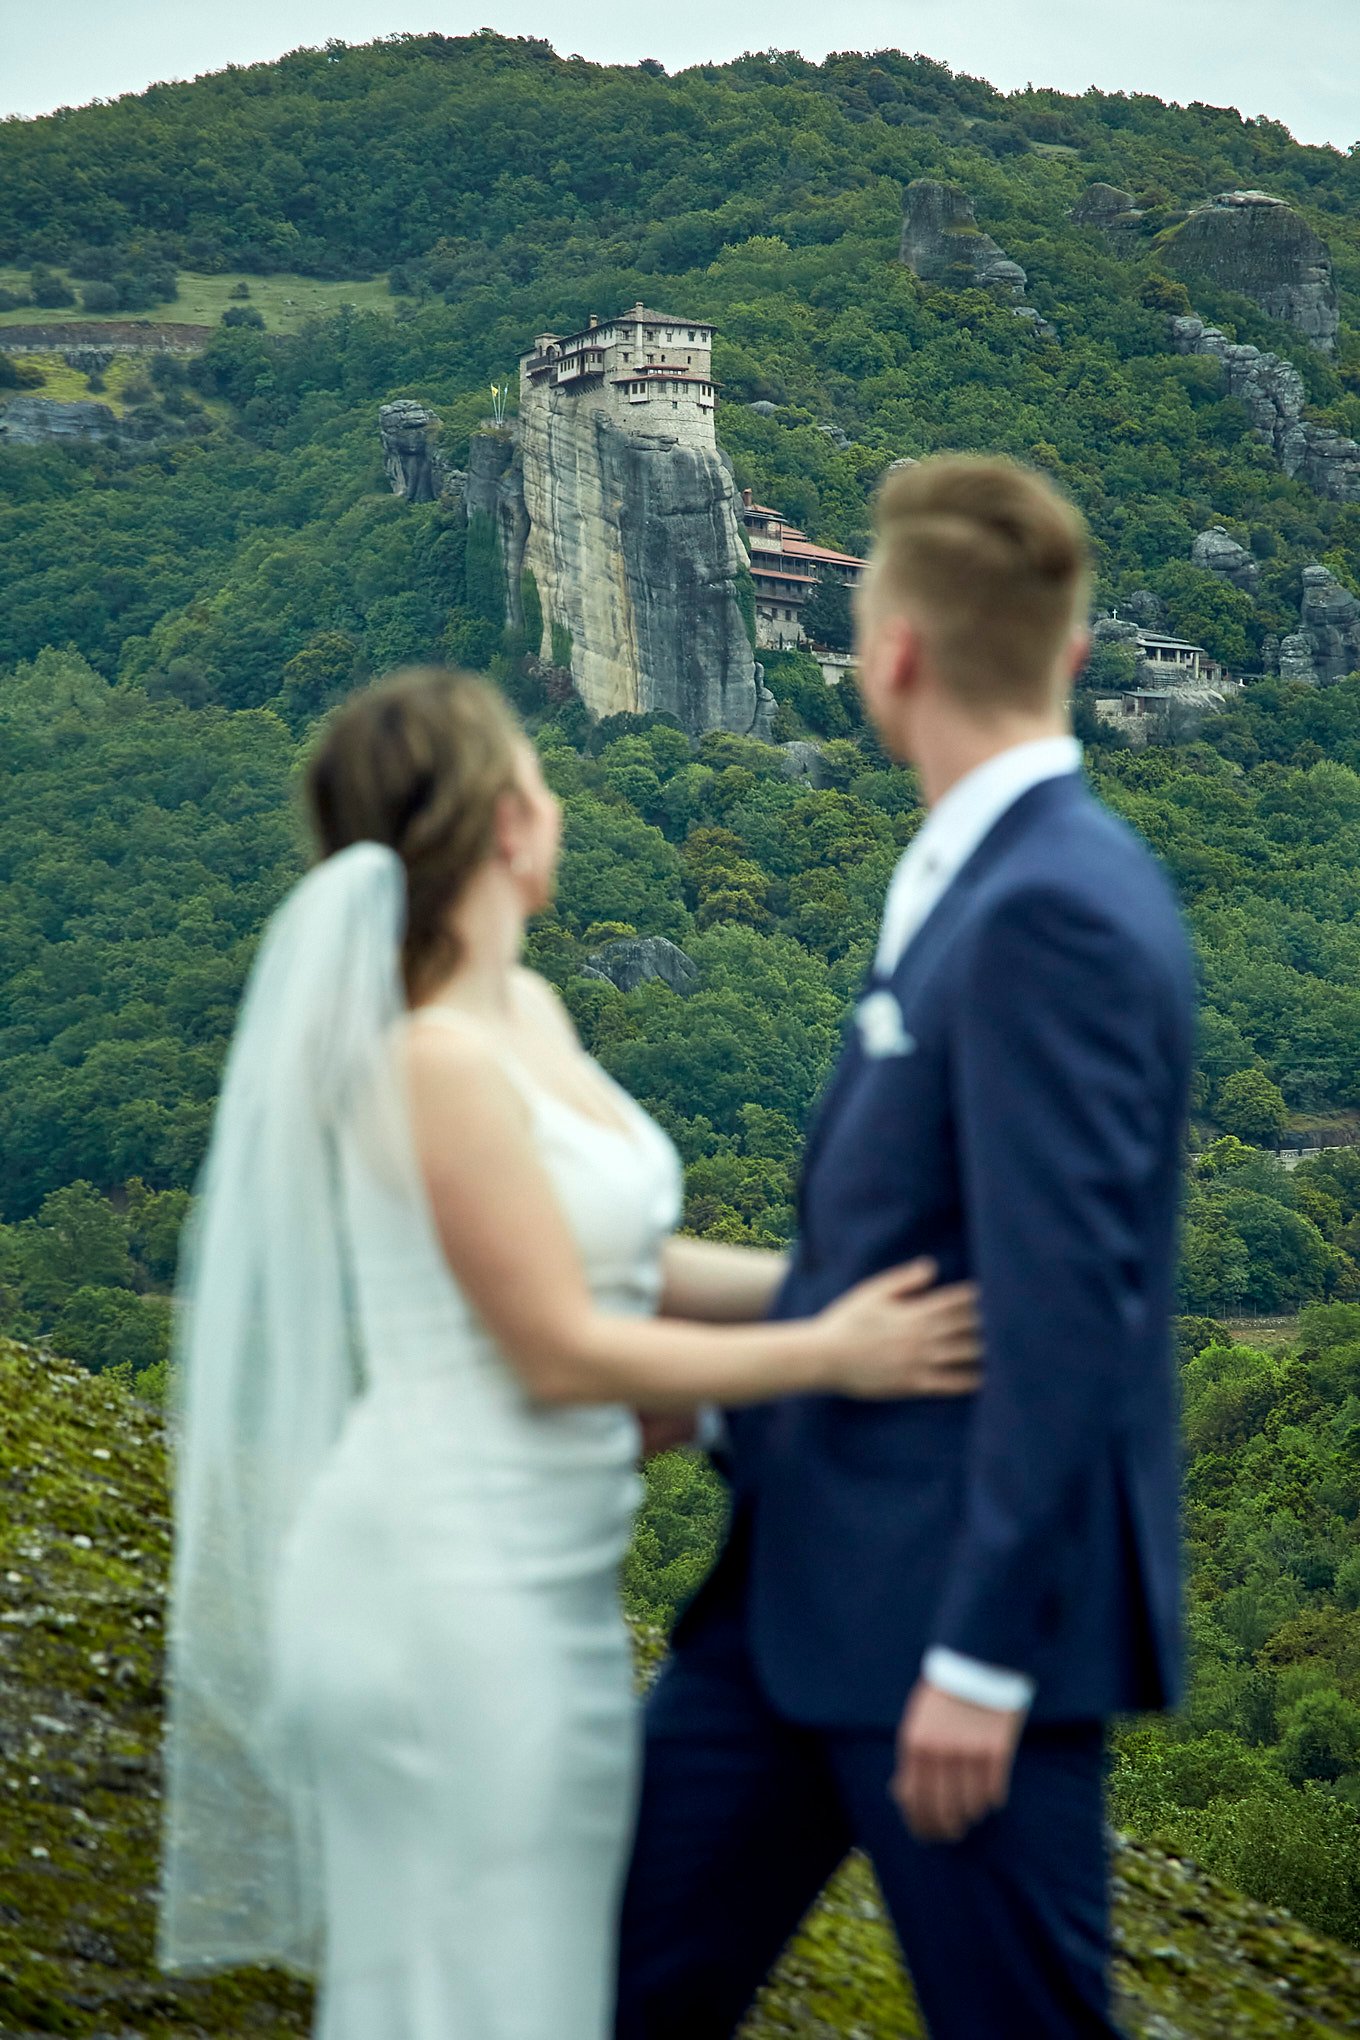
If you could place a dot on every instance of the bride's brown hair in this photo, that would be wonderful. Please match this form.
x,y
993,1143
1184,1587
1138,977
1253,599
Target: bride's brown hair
x,y
418,762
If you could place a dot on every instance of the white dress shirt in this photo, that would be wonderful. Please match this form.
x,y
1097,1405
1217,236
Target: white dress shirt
x,y
953,830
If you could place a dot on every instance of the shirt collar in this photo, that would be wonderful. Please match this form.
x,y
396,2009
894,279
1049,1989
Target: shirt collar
x,y
957,825
958,822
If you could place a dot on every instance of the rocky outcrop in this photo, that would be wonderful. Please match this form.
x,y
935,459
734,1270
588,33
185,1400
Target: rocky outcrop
x,y
37,421
1219,553
1249,242
1272,391
632,539
1106,206
943,243
1330,620
638,960
413,463
1296,658
1146,609
804,760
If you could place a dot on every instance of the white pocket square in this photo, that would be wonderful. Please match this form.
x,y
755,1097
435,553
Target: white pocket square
x,y
881,1033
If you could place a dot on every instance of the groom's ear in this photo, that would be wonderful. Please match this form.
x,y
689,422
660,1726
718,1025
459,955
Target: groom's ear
x,y
1078,654
904,648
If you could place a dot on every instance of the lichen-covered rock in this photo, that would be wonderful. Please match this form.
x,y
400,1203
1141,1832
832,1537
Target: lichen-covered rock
x,y
35,421
84,1545
1271,391
943,243
637,960
84,1550
1219,553
411,458
1106,206
633,540
1248,241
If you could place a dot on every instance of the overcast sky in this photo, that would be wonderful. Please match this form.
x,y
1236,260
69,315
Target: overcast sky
x,y
1296,60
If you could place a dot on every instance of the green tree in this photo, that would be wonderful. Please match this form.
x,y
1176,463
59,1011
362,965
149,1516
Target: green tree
x,y
826,616
1252,1107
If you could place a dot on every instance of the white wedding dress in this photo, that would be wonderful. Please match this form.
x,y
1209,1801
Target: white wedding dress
x,y
452,1666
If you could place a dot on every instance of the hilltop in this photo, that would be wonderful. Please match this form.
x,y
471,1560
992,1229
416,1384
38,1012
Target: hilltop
x,y
84,1540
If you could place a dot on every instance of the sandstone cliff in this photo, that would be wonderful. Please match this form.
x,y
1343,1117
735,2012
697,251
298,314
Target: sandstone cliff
x,y
1248,241
84,1542
633,543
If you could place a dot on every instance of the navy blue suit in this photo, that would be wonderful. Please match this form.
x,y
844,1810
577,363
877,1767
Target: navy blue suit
x,y
1024,1128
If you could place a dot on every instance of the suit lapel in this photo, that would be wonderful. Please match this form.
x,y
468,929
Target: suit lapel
x,y
1027,812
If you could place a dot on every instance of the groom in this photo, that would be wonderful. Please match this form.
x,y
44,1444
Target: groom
x,y
927,1611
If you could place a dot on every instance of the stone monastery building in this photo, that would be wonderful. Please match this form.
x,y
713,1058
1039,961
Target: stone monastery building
x,y
786,566
653,375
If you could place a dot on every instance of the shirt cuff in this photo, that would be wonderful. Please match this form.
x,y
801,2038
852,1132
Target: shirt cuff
x,y
984,1685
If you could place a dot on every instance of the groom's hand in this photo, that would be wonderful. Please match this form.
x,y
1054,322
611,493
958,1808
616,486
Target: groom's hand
x,y
953,1763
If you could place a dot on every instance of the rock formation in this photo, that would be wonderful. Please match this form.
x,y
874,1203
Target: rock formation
x,y
411,457
1296,658
632,539
943,243
35,421
1272,391
1107,207
1146,609
637,960
1249,242
1221,554
803,760
1330,620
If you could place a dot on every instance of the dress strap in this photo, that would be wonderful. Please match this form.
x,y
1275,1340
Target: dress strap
x,y
464,1023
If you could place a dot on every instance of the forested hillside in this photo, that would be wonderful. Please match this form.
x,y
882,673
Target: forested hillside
x,y
177,610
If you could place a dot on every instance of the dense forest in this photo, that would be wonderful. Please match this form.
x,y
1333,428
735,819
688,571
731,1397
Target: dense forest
x,y
176,613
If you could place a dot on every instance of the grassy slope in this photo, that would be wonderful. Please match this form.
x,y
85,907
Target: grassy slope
x,y
79,1713
285,302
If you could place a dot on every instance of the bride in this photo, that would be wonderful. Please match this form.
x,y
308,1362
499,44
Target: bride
x,y
433,1271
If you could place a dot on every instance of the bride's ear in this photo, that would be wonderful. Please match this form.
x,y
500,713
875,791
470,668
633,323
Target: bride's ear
x,y
510,832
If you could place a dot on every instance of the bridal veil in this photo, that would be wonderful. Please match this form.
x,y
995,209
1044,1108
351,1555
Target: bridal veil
x,y
267,1366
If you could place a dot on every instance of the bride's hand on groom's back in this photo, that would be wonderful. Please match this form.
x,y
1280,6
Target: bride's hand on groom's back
x,y
897,1335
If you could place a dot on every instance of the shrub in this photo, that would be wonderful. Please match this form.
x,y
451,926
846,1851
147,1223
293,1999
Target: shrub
x,y
50,290
19,375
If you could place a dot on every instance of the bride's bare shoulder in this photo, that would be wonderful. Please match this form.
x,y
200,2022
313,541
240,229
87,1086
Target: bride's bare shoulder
x,y
544,1002
441,1042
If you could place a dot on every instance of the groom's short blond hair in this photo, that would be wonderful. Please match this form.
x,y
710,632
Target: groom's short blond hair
x,y
992,563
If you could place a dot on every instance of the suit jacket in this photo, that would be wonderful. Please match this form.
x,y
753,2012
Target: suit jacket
x,y
1012,1104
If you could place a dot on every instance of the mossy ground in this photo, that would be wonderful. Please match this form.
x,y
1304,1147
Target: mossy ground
x,y
84,1545
284,302
71,385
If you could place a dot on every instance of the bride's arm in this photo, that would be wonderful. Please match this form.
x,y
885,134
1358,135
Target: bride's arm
x,y
717,1283
514,1257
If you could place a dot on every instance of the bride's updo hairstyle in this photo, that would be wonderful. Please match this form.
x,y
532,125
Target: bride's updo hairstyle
x,y
418,762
